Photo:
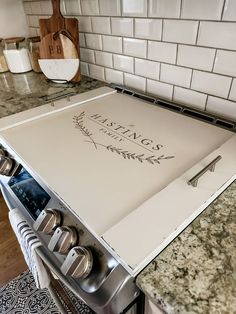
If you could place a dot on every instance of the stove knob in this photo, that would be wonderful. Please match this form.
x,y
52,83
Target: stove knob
x,y
63,239
48,220
78,263
6,165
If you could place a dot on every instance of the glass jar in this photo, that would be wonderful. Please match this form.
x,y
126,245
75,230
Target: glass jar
x,y
33,44
3,63
17,55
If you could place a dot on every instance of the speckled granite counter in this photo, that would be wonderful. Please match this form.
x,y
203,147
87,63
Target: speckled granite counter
x,y
19,92
196,273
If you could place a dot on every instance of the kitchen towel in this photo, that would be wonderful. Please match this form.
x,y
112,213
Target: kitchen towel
x,y
29,244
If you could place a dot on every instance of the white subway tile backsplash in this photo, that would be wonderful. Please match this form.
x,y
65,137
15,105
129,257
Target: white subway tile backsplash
x,y
135,82
180,31
103,58
217,34
93,41
112,44
164,8
189,97
202,9
196,57
175,75
148,28
36,7
135,47
33,21
225,62
85,24
212,84
109,7
72,7
82,42
84,68
147,68
122,26
229,10
123,63
101,25
89,7
114,76
33,31
180,50
87,55
160,89
163,52
63,7
46,7
27,7
97,72
232,94
134,7
221,107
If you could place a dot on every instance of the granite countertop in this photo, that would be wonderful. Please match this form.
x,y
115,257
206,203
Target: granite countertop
x,y
196,273
19,92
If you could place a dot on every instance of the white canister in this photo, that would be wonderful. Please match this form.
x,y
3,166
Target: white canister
x,y
16,55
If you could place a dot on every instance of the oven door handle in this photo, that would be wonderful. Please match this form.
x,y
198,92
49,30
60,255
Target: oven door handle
x,y
56,271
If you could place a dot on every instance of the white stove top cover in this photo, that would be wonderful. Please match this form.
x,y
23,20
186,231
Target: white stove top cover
x,y
106,157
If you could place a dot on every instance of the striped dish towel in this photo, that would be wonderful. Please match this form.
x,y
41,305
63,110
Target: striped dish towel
x,y
29,243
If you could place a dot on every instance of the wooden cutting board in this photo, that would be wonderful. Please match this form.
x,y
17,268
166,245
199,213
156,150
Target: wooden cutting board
x,y
57,24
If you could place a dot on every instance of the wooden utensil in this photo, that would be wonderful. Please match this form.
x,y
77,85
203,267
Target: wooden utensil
x,y
52,43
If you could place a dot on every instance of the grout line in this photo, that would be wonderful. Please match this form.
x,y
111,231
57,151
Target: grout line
x,y
144,17
133,20
214,60
191,79
177,52
162,29
173,91
110,26
112,57
198,30
147,49
181,8
145,85
205,109
222,12
98,7
231,84
160,71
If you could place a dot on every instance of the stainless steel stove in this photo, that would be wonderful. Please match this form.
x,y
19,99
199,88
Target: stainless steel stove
x,y
107,181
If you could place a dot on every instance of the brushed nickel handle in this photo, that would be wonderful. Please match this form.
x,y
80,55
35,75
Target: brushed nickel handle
x,y
211,167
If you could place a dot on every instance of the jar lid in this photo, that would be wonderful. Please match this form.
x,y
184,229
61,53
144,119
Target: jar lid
x,y
33,39
13,40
